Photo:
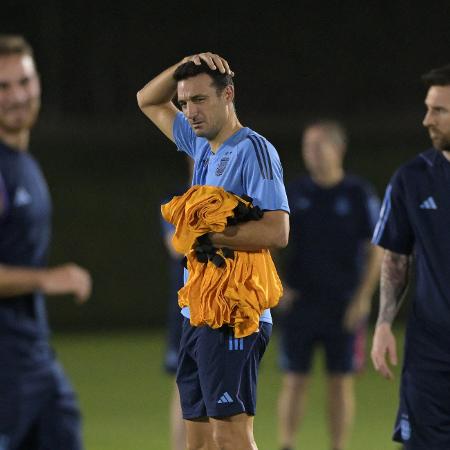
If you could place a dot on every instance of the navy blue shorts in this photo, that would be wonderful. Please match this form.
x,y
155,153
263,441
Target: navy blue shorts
x,y
423,419
344,352
38,409
217,373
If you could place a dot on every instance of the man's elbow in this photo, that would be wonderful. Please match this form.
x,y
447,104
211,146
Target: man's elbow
x,y
281,240
140,100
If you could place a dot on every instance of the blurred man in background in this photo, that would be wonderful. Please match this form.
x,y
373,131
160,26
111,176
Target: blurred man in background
x,y
415,222
174,321
174,324
330,275
38,409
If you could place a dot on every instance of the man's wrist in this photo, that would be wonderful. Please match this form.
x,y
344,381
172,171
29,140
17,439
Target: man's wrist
x,y
383,323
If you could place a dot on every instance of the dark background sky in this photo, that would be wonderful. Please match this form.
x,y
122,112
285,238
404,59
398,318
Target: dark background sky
x,y
108,168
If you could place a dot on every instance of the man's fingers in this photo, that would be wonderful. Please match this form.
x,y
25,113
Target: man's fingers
x,y
380,365
227,67
382,368
215,62
392,350
218,61
83,286
207,57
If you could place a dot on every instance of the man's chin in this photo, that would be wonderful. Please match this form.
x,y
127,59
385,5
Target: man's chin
x,y
439,144
202,134
18,126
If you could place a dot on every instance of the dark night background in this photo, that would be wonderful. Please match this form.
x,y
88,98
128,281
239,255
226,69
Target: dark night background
x,y
108,167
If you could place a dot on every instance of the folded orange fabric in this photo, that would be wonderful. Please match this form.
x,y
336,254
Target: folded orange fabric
x,y
202,209
235,294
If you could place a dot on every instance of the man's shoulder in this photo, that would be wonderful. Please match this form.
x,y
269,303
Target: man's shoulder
x,y
422,161
357,183
250,138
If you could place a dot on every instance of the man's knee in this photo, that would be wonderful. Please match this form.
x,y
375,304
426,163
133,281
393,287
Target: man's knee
x,y
197,443
199,435
232,434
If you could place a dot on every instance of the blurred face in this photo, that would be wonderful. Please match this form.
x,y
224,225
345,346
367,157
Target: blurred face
x,y
320,153
206,110
437,118
20,93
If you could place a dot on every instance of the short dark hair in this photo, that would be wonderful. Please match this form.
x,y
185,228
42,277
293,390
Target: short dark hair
x,y
189,69
437,77
334,128
14,44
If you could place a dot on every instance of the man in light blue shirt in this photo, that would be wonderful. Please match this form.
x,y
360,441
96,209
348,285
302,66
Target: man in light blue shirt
x,y
217,373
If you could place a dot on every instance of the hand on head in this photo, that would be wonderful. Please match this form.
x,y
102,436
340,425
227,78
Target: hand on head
x,y
215,62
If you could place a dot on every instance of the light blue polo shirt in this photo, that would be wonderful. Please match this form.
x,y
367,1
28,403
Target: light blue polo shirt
x,y
246,163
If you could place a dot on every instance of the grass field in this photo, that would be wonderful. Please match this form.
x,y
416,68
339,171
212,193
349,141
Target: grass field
x,y
124,396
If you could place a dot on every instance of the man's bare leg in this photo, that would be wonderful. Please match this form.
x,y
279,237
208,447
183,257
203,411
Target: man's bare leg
x,y
341,409
234,432
291,407
177,427
199,435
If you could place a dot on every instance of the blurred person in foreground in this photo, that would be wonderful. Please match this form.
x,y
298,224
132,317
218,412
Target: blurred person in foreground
x,y
413,227
331,270
174,321
217,382
38,408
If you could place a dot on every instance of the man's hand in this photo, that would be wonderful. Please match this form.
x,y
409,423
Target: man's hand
x,y
384,342
287,300
214,62
357,312
67,279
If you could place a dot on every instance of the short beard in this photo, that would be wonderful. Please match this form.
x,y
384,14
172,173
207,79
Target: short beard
x,y
207,135
442,145
25,125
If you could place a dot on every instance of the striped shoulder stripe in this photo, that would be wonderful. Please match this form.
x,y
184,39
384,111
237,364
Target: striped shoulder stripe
x,y
258,154
262,155
265,152
384,215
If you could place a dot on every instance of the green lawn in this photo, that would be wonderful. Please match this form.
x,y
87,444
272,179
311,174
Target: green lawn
x,y
124,396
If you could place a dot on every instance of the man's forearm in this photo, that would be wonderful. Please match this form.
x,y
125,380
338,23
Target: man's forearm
x,y
371,272
394,282
19,280
159,90
272,231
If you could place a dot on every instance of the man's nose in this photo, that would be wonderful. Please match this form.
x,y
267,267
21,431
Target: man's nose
x,y
428,119
191,111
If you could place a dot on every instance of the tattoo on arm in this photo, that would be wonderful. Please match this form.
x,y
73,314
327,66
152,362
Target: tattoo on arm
x,y
394,284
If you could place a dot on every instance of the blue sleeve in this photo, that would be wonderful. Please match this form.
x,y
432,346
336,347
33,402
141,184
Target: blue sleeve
x,y
263,175
183,135
166,227
393,230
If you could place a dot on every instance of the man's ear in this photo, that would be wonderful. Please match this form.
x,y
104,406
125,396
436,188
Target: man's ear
x,y
228,93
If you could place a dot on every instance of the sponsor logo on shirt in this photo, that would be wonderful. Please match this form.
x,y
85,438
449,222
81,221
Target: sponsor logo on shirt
x,y
221,166
303,203
429,203
342,206
21,197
